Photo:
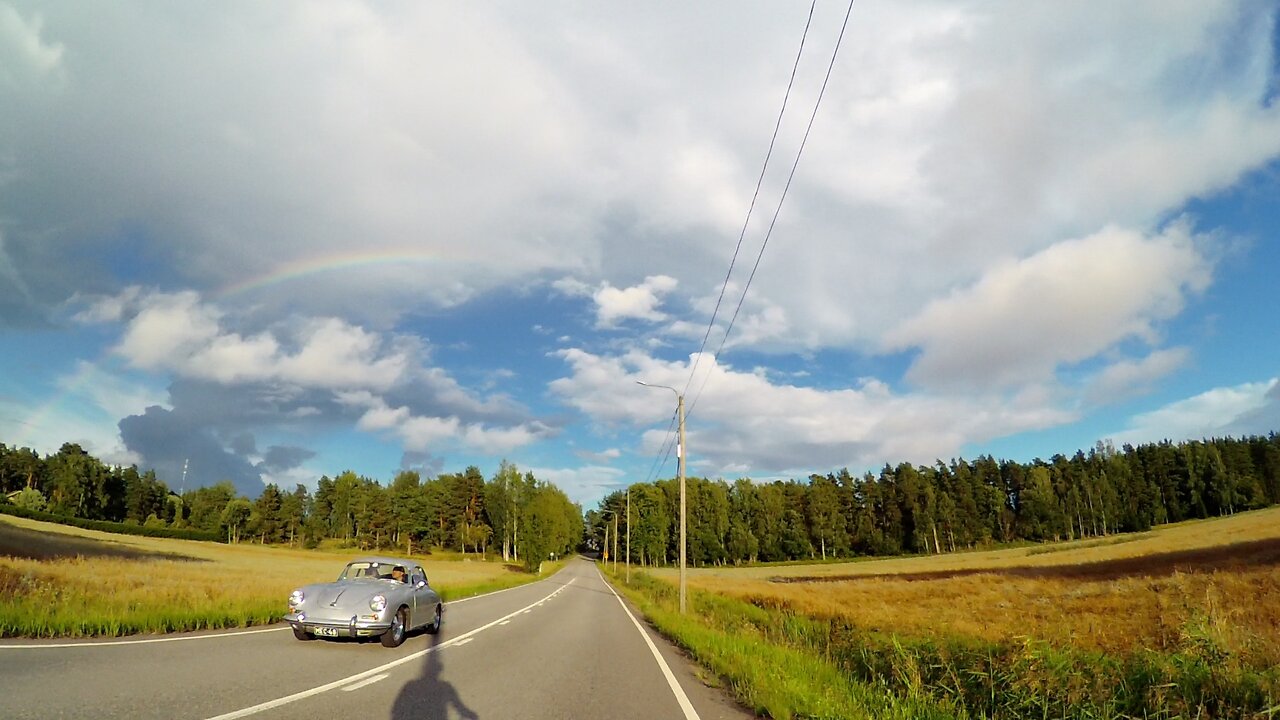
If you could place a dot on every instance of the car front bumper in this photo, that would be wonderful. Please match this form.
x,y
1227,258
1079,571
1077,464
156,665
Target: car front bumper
x,y
354,626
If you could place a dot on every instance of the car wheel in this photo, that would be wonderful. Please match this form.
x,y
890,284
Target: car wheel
x,y
302,634
395,634
434,627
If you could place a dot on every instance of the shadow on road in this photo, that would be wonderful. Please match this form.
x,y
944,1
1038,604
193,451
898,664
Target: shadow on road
x,y
429,696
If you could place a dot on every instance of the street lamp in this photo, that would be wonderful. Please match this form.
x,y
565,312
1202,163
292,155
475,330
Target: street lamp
x,y
680,453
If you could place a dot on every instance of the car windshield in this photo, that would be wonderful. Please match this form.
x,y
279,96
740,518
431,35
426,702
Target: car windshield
x,y
365,570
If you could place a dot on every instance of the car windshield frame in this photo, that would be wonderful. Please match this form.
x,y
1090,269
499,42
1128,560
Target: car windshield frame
x,y
358,570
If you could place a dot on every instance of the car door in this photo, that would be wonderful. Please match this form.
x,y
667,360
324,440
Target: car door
x,y
421,596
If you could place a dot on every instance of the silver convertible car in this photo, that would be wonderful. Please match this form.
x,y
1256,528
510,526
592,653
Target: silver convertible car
x,y
373,597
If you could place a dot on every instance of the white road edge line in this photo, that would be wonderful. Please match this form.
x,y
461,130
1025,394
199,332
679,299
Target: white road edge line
x,y
213,636
363,683
685,705
271,704
107,643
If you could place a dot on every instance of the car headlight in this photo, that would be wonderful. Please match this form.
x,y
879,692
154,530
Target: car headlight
x,y
378,603
296,597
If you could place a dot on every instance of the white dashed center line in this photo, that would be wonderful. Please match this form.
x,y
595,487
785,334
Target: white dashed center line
x,y
367,681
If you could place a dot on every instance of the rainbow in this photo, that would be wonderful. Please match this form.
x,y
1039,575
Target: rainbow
x,y
309,266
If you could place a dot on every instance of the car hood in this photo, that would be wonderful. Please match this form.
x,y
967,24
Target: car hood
x,y
344,593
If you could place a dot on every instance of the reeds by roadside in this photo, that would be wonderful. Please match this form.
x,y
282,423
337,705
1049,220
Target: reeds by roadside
x,y
1106,628
788,664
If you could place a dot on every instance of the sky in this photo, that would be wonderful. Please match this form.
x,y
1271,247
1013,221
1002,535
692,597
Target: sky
x,y
274,241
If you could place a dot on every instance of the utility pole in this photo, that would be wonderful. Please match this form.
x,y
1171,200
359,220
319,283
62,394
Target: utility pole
x,y
680,458
628,534
615,542
184,476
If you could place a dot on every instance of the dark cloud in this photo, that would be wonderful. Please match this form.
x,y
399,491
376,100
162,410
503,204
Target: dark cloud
x,y
17,312
280,458
1260,420
426,464
166,439
232,408
244,444
437,395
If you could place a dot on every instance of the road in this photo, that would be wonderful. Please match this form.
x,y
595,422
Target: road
x,y
563,647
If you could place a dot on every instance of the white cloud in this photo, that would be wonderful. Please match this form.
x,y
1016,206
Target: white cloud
x,y
603,456
583,485
638,302
105,309
287,480
419,433
744,423
26,58
110,392
950,135
167,329
179,332
1128,378
986,185
1024,319
84,410
1213,413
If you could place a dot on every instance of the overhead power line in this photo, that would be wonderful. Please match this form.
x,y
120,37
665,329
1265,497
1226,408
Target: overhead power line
x,y
777,210
751,208
664,451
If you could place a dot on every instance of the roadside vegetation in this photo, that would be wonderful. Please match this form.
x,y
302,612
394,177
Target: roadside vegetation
x,y
61,581
526,519
89,549
949,507
1180,621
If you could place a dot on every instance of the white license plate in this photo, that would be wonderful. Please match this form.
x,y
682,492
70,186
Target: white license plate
x,y
328,631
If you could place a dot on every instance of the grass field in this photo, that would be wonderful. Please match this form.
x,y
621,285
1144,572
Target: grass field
x,y
1184,619
57,580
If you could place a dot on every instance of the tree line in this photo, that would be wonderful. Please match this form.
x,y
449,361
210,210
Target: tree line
x,y
526,519
949,506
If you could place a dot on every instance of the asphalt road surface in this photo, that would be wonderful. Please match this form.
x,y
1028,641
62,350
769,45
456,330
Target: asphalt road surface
x,y
563,647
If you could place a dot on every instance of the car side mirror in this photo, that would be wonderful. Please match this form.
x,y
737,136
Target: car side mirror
x,y
422,583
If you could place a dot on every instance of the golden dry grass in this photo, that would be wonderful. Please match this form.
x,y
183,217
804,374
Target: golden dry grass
x,y
176,584
1030,593
1193,534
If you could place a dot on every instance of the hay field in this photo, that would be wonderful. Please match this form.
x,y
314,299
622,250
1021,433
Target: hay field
x,y
1174,588
58,580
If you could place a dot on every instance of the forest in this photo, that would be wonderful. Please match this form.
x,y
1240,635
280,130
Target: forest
x,y
526,519
947,507
904,508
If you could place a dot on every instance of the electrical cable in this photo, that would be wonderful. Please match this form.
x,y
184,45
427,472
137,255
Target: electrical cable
x,y
769,233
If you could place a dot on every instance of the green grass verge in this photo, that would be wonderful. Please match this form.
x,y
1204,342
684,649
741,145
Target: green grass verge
x,y
731,639
510,580
784,664
30,608
29,619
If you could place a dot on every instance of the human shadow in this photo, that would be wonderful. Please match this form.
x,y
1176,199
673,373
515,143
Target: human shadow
x,y
429,696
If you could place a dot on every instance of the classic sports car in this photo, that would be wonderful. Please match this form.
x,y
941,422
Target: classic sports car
x,y
373,597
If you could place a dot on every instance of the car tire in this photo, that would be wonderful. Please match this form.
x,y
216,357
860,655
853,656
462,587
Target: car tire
x,y
434,627
395,634
302,634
